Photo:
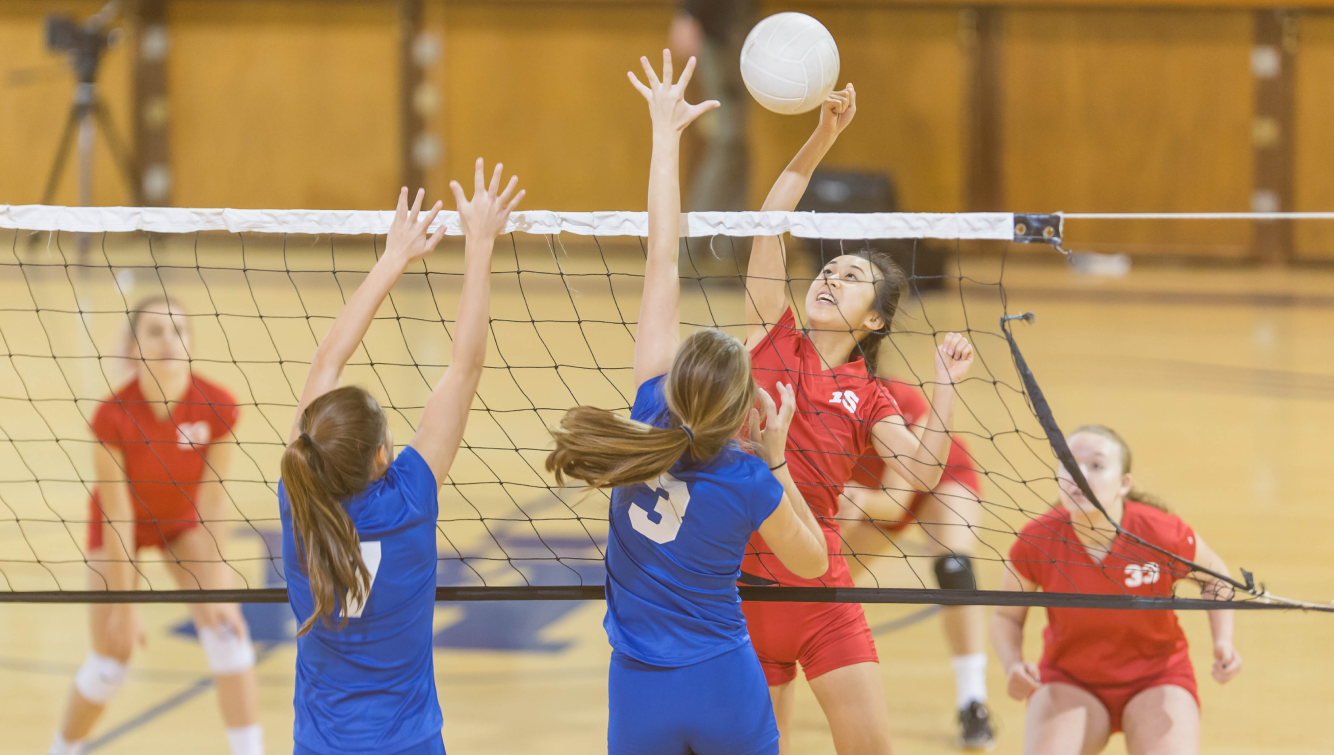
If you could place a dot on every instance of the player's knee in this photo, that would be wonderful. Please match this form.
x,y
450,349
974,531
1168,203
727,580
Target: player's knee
x,y
955,573
227,652
99,677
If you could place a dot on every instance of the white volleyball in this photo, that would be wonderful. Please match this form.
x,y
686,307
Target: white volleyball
x,y
789,63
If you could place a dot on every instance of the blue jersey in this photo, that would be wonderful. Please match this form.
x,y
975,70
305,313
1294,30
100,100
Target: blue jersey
x,y
675,548
370,687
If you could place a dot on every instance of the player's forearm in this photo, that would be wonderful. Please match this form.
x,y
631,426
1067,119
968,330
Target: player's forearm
x,y
1007,636
664,199
1221,624
791,184
355,319
473,321
117,547
928,461
804,513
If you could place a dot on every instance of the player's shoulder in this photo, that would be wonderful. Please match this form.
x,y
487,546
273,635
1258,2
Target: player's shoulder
x,y
1145,520
1043,527
116,404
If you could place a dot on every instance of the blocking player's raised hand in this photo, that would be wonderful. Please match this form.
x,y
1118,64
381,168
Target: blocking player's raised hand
x,y
770,441
408,238
667,104
485,215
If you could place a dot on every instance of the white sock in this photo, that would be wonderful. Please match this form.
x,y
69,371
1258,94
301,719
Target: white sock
x,y
60,747
970,678
246,740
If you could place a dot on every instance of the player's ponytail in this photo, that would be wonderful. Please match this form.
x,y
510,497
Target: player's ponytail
x,y
709,393
332,460
890,283
1127,460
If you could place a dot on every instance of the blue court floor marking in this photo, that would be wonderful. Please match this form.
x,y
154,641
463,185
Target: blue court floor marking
x,y
171,703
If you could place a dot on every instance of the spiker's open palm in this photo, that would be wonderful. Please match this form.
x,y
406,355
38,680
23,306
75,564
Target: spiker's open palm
x,y
667,104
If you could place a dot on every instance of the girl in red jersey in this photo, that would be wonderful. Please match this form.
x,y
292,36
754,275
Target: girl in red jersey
x,y
165,438
877,505
1104,671
842,413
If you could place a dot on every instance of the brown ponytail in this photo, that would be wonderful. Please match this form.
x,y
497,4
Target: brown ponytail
x,y
709,393
333,460
1127,459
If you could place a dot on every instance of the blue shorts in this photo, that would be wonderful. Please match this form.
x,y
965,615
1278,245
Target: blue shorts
x,y
718,707
433,746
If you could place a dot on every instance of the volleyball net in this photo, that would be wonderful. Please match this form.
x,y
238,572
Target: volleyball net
x,y
261,287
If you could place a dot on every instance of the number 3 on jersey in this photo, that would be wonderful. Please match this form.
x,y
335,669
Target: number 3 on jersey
x,y
669,498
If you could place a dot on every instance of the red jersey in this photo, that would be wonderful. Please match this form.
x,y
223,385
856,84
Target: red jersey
x,y
870,470
836,410
164,458
1101,646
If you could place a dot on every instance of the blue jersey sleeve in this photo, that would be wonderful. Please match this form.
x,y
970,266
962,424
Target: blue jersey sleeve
x,y
650,405
412,477
766,492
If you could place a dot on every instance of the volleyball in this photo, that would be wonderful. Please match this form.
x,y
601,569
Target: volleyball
x,y
789,63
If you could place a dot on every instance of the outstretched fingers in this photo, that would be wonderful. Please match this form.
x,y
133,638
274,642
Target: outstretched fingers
x,y
639,85
495,180
401,211
416,206
686,73
478,179
667,66
649,73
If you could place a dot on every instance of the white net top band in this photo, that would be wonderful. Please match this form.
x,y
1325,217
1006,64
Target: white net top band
x,y
884,225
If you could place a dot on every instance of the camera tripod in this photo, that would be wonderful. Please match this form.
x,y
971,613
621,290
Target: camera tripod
x,y
85,45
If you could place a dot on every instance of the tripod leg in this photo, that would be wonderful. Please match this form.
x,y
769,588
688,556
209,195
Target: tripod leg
x,y
118,152
62,154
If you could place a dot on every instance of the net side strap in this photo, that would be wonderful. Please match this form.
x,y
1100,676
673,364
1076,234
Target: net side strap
x,y
998,226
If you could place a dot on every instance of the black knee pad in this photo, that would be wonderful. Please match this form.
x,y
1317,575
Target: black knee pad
x,y
955,573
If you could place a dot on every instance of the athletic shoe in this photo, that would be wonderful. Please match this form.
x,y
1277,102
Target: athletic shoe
x,y
975,731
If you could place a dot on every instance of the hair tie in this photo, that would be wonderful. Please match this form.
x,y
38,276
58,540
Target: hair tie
x,y
306,437
690,434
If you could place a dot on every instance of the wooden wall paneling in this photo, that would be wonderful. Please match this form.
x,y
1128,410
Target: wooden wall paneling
x,y
36,92
909,70
285,104
1131,111
151,103
984,174
1273,60
1313,169
543,89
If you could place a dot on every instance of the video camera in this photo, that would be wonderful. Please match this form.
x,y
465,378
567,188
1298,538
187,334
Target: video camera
x,y
84,42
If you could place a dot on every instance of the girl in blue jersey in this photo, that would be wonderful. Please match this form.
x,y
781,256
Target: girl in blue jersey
x,y
684,677
359,525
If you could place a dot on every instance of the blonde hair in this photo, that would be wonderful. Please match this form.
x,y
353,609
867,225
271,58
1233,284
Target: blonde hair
x,y
709,393
1127,460
332,460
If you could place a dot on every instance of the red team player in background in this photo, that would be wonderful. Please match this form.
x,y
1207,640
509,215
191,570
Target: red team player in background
x,y
164,440
878,504
843,412
1104,671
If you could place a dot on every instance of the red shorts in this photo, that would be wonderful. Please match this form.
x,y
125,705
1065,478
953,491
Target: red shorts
x,y
821,637
1115,697
962,475
151,533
